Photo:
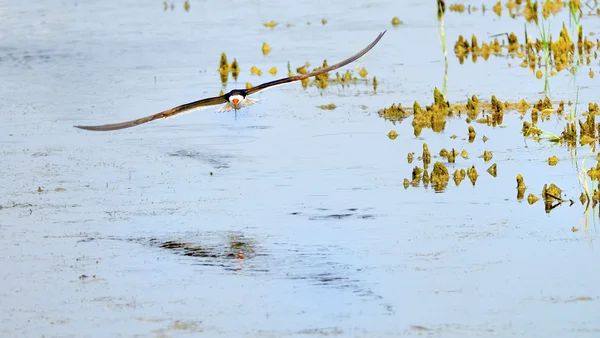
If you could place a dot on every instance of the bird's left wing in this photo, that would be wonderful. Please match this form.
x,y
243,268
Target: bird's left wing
x,y
316,72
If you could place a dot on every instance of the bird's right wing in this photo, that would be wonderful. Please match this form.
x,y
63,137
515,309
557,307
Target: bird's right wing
x,y
212,101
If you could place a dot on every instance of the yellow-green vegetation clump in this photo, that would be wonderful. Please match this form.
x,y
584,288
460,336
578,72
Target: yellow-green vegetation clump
x,y
552,196
459,176
493,170
472,174
487,155
426,155
551,192
472,134
531,198
394,113
266,49
440,176
521,187
255,71
330,106
323,80
530,130
433,116
235,69
223,68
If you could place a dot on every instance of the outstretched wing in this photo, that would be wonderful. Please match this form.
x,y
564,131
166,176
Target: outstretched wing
x,y
316,72
212,101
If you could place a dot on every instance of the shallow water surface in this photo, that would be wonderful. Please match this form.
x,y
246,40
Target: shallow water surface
x,y
290,220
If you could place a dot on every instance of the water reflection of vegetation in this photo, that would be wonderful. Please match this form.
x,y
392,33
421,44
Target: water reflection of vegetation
x,y
186,5
578,131
321,81
529,9
556,55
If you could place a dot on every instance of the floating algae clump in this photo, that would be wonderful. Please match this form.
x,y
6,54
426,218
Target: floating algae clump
x,y
255,71
473,107
569,134
266,49
493,170
235,69
433,116
426,177
302,70
587,129
543,105
332,106
426,155
439,176
521,187
487,155
530,130
472,174
223,65
323,79
223,68
363,72
497,111
531,198
452,156
594,172
513,43
394,113
583,198
459,175
416,175
472,134
551,192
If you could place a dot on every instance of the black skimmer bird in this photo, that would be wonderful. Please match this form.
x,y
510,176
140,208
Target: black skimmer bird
x,y
233,100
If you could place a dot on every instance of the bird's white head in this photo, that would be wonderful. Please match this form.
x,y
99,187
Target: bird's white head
x,y
236,101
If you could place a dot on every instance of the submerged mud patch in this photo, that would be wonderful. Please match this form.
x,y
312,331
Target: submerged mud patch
x,y
218,161
233,247
324,215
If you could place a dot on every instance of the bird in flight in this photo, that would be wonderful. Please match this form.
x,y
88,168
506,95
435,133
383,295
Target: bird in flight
x,y
233,100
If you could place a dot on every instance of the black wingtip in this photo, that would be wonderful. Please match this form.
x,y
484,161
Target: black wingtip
x,y
92,128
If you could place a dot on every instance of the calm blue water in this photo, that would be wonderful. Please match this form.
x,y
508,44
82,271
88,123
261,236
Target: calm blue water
x,y
333,243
